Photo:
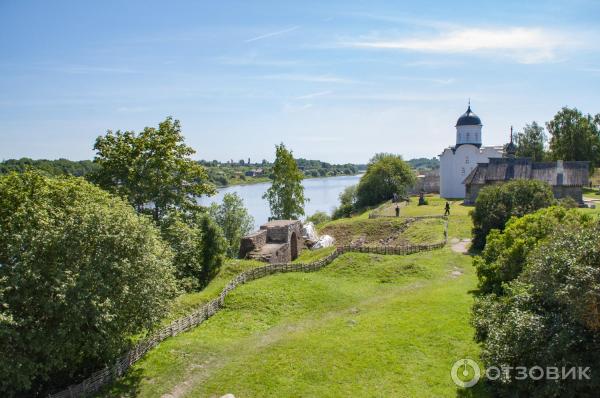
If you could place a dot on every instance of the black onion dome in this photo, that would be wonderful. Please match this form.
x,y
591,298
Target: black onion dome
x,y
468,119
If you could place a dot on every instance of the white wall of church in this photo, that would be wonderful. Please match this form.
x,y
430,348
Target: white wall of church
x,y
456,166
468,135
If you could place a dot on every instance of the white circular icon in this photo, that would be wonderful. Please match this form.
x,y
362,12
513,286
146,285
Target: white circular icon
x,y
465,373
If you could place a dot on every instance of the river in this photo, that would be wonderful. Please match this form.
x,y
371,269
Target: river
x,y
322,193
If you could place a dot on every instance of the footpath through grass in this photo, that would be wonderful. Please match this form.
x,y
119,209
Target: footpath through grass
x,y
365,326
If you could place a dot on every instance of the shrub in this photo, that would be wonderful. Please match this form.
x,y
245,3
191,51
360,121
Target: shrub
x,y
386,174
80,273
319,217
347,203
548,316
234,220
505,252
213,249
497,203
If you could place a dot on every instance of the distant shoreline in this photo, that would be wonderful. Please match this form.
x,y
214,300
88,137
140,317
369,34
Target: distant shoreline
x,y
267,179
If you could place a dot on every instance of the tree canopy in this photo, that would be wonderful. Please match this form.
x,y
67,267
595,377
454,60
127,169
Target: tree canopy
x,y
547,316
530,142
152,169
496,204
386,174
575,136
80,273
286,194
234,220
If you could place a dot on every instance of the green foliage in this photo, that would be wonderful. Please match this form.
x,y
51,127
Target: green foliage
x,y
386,174
575,136
213,249
505,252
234,220
424,163
530,142
347,203
80,273
319,217
548,316
185,238
497,203
286,194
152,168
55,168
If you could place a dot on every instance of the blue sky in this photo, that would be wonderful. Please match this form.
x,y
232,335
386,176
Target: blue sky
x,y
336,80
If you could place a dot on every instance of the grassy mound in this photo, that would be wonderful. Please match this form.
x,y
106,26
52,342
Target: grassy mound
x,y
366,325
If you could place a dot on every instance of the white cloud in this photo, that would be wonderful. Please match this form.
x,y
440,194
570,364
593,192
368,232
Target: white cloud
x,y
271,34
307,78
525,45
313,95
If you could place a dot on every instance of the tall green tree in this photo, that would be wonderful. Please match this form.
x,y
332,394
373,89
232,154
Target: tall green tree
x,y
80,273
152,169
575,136
286,194
386,175
530,142
234,220
213,249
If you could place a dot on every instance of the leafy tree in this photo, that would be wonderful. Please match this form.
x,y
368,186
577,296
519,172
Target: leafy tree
x,y
286,194
548,316
185,238
575,136
347,203
319,217
386,174
212,251
234,220
80,273
505,252
152,168
530,142
496,204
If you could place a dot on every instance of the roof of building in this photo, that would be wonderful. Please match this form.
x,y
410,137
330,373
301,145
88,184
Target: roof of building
x,y
559,173
468,119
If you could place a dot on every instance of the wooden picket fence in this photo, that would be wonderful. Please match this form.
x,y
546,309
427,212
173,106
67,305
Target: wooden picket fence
x,y
103,377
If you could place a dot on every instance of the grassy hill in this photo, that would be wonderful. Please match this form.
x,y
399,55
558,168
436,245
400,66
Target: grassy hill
x,y
366,325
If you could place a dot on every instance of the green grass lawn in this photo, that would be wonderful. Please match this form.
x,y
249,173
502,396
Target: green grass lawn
x,y
364,326
367,325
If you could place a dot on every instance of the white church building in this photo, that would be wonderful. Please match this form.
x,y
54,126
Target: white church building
x,y
456,162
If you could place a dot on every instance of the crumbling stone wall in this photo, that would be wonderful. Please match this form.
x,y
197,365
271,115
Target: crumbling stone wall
x,y
277,241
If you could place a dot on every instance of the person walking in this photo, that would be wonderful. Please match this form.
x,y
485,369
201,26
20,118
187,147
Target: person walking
x,y
447,211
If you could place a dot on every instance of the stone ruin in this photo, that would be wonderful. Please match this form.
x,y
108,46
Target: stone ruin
x,y
277,241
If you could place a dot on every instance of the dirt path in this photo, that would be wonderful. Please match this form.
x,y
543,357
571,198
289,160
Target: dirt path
x,y
460,246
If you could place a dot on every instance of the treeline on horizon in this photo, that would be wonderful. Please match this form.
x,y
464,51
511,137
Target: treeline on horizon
x,y
220,173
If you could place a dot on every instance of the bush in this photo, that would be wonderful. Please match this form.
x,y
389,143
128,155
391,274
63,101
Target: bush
x,y
319,217
347,203
497,203
505,252
548,316
234,220
386,174
185,238
80,274
213,249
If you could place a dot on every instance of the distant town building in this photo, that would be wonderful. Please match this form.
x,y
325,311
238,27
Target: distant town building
x,y
254,173
458,161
